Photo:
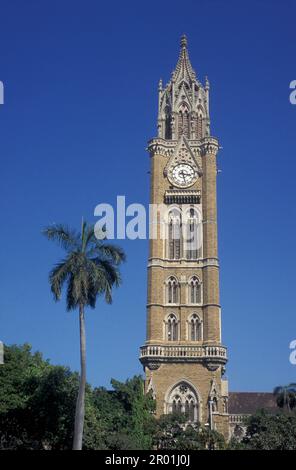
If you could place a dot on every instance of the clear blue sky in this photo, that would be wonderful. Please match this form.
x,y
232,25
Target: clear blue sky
x,y
80,83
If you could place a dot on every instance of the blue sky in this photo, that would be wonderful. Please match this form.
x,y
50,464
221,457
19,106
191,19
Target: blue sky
x,y
80,82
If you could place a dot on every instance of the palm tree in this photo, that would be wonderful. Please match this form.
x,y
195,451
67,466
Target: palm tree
x,y
90,269
286,396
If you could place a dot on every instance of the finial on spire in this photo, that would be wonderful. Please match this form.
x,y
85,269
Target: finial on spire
x,y
183,42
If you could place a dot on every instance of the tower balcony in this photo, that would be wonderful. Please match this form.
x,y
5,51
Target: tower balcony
x,y
212,356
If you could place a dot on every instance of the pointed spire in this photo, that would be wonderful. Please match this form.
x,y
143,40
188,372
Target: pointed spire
x,y
183,42
183,103
184,70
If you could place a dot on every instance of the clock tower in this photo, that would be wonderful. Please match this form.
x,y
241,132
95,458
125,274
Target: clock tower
x,y
183,356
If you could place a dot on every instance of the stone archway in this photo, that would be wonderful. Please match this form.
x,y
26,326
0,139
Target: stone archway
x,y
183,398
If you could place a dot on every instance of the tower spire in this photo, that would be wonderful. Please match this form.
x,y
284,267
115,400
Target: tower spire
x,y
183,41
184,70
183,104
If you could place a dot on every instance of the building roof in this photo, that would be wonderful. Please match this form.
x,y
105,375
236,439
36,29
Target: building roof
x,y
250,402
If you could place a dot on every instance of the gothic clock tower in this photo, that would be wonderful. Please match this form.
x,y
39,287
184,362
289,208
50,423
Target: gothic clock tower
x,y
183,356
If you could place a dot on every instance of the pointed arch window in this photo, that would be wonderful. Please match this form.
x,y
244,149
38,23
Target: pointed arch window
x,y
183,121
186,124
190,407
193,235
183,399
172,333
199,127
177,404
194,328
214,405
172,290
174,235
167,120
194,290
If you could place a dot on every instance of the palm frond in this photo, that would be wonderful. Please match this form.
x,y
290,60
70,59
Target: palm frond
x,y
94,236
90,269
277,390
107,251
65,237
57,278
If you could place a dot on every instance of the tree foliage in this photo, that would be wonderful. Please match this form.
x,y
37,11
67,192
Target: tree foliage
x,y
286,396
37,407
271,432
172,433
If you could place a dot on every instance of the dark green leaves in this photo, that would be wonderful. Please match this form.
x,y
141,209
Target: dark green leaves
x,y
90,268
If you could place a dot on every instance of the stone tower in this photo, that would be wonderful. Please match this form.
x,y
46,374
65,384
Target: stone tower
x,y
183,356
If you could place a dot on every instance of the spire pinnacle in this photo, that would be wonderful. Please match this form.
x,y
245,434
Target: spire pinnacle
x,y
184,70
183,104
183,42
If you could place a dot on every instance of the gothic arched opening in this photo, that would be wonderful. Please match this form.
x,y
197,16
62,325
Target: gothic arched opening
x,y
183,399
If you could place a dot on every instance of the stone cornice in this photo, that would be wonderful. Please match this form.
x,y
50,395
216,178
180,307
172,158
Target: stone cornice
x,y
191,306
202,147
169,264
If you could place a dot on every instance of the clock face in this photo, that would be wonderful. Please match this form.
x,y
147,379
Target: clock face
x,y
183,174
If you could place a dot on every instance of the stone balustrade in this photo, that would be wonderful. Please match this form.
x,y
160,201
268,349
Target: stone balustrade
x,y
155,352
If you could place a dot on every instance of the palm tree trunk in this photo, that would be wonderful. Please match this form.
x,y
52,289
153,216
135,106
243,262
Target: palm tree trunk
x,y
79,413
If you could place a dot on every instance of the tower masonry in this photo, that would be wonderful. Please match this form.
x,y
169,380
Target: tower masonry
x,y
183,356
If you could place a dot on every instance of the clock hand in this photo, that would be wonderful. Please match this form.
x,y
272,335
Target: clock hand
x,y
183,174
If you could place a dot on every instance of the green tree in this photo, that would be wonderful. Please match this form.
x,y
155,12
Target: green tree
x,y
19,365
37,401
270,432
138,407
38,404
286,396
172,433
126,414
89,270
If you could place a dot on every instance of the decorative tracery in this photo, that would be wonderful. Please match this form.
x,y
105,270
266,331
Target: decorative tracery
x,y
174,235
183,399
172,328
194,290
194,328
172,290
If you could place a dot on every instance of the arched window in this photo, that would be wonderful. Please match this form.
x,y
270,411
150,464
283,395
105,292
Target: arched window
x,y
172,328
186,124
215,405
183,399
183,121
193,235
194,290
180,124
174,235
199,127
177,404
189,407
172,290
168,129
194,328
